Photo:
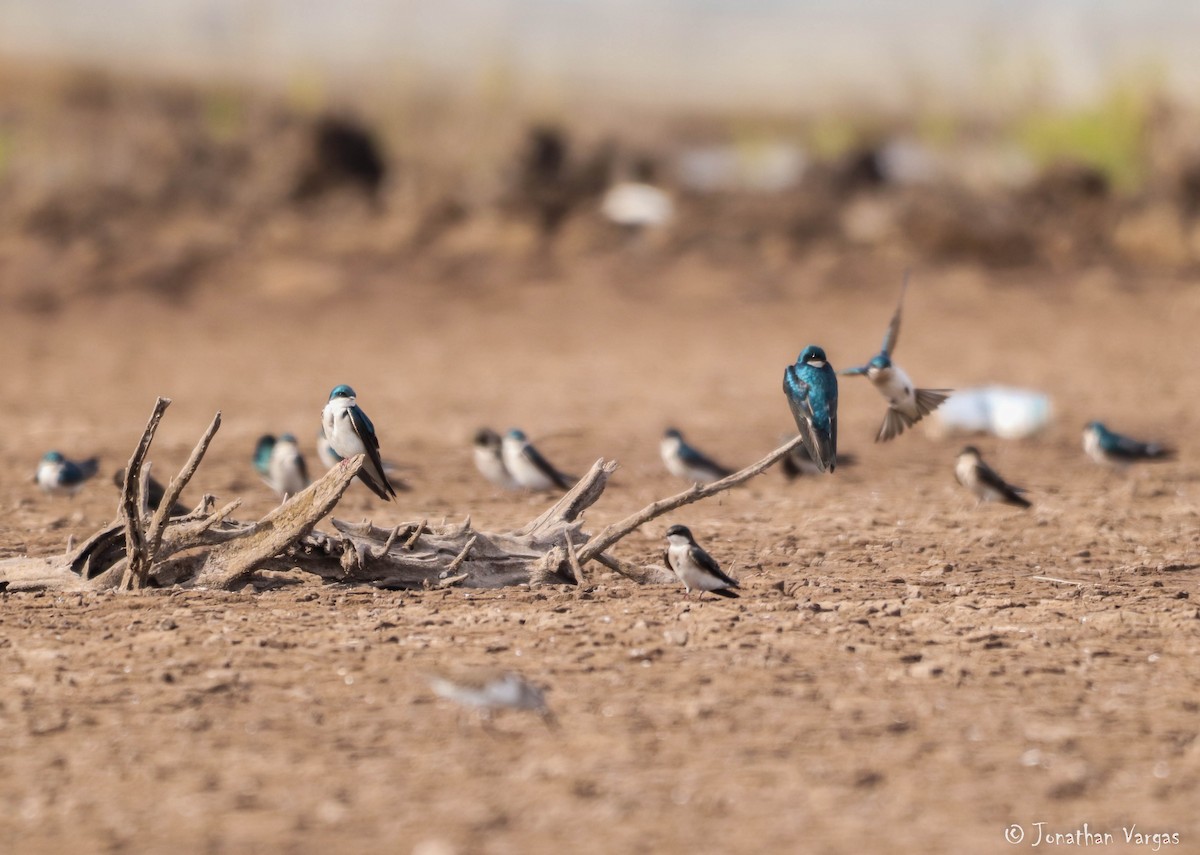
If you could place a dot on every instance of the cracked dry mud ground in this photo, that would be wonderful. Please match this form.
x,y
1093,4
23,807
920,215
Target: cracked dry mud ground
x,y
895,677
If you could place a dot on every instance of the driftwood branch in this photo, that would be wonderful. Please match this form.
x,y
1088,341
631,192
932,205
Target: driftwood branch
x,y
613,533
133,495
208,548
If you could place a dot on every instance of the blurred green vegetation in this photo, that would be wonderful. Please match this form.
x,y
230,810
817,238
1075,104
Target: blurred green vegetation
x,y
1109,136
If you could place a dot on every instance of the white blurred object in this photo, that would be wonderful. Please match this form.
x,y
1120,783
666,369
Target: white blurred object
x,y
635,205
999,410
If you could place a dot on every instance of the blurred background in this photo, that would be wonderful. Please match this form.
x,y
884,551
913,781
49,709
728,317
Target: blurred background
x,y
158,146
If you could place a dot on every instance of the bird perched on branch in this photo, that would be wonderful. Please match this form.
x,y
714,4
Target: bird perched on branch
x,y
527,466
1109,448
982,480
281,465
907,404
695,568
350,432
812,393
56,474
684,461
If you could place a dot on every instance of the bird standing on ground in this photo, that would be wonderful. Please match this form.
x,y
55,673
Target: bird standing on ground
x,y
982,480
487,691
489,459
1112,449
58,475
281,465
350,432
907,404
695,568
527,467
812,393
684,461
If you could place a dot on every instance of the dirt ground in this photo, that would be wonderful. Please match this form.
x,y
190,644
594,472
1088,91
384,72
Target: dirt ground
x,y
903,673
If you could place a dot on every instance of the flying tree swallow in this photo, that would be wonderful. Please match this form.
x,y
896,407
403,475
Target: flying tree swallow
x,y
695,567
487,691
527,467
56,474
907,404
811,389
350,432
982,480
281,465
489,459
684,461
1112,449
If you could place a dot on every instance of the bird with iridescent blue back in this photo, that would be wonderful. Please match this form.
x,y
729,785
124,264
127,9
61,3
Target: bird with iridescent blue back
x,y
687,462
812,394
57,474
351,432
528,467
1110,448
907,404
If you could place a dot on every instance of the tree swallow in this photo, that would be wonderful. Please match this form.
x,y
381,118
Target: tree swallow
x,y
907,404
281,465
56,474
350,432
982,480
487,691
799,462
811,389
684,461
695,567
1112,449
527,467
489,459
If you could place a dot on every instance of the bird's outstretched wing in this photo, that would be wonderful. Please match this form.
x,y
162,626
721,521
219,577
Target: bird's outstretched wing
x,y
372,473
893,330
853,372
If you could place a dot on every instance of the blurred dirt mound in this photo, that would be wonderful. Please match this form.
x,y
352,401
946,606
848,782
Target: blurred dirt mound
x,y
113,185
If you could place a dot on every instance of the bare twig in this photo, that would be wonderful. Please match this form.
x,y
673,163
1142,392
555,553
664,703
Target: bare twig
x,y
573,560
412,539
1056,581
460,558
155,532
387,544
138,568
618,530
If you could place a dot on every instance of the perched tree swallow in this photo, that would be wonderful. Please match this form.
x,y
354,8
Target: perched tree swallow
x,y
1112,449
983,481
695,568
489,459
56,474
281,465
350,432
684,461
154,494
527,467
907,404
799,462
488,691
811,389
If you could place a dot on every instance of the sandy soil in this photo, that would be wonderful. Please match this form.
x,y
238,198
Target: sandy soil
x,y
902,674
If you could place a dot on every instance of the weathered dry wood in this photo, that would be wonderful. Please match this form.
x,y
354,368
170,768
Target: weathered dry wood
x,y
613,533
132,496
154,533
229,563
575,501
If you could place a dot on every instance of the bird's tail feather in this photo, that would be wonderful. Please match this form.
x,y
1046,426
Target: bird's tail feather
x,y
88,467
726,592
894,423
